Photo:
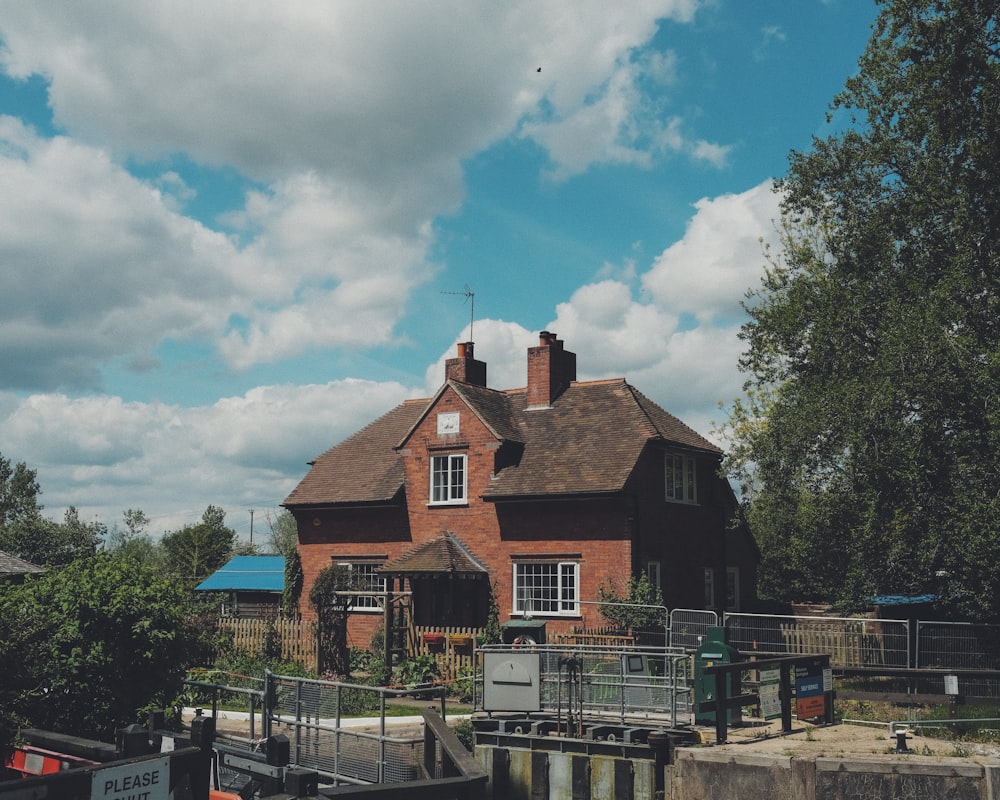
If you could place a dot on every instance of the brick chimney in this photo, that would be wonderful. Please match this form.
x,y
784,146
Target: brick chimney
x,y
465,368
551,369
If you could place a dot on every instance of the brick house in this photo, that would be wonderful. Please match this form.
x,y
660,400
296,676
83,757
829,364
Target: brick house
x,y
545,492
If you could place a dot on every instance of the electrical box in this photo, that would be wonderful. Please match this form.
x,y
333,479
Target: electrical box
x,y
512,682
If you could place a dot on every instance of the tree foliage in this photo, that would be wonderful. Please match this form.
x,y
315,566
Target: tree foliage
x,y
195,551
283,534
19,492
868,437
638,609
48,543
85,648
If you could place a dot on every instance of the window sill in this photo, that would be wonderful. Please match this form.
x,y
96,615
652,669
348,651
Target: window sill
x,y
461,504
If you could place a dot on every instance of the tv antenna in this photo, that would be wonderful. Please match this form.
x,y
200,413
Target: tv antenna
x,y
470,297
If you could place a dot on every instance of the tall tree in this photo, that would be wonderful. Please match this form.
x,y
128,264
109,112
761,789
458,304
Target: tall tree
x,y
195,551
19,492
871,424
49,543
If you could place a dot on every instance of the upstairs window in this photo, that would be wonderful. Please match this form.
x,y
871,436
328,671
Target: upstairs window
x,y
448,480
680,478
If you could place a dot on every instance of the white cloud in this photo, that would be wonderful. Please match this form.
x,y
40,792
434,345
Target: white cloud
x,y
706,273
96,265
105,455
355,130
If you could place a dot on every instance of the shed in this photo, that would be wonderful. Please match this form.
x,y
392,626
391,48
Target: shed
x,y
13,569
255,585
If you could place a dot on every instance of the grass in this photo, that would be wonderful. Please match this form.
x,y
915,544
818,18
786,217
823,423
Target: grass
x,y
985,732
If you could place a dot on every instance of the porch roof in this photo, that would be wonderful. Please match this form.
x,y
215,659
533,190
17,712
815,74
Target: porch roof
x,y
443,554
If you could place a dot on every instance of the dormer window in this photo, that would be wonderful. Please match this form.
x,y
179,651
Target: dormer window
x,y
448,476
680,478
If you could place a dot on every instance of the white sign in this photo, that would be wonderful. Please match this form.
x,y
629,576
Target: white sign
x,y
828,679
140,780
951,684
770,700
770,693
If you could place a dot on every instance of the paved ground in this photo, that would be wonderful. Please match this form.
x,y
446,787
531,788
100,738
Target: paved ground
x,y
847,740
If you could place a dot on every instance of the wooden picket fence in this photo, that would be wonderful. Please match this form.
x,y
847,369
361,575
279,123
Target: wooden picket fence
x,y
452,648
297,636
453,652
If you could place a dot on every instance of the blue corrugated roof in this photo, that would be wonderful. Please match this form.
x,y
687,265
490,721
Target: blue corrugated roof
x,y
902,599
249,573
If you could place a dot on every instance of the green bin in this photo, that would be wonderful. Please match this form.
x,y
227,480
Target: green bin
x,y
713,650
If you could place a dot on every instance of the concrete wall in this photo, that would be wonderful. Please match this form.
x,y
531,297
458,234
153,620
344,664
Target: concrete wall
x,y
717,774
721,774
523,774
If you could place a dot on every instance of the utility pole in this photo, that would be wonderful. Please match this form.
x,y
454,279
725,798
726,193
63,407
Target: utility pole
x,y
251,526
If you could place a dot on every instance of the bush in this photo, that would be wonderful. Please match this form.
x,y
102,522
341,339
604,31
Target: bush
x,y
466,734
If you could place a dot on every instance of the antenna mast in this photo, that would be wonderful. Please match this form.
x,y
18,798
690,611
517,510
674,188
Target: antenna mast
x,y
470,297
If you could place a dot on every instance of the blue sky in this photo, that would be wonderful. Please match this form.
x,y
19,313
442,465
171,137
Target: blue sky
x,y
231,236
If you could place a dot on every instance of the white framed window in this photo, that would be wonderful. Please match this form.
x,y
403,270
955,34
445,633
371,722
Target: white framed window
x,y
547,588
653,573
448,478
732,588
364,578
680,478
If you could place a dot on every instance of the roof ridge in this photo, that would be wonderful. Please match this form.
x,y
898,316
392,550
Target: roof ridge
x,y
593,382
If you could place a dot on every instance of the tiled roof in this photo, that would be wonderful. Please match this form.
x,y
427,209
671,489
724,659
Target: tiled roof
x,y
587,442
12,565
249,573
444,553
364,468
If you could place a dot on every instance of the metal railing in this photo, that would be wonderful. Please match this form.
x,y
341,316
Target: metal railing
x,y
661,689
849,641
957,645
314,712
688,626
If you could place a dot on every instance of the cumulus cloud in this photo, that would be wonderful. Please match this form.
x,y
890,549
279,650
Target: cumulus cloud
x,y
103,455
96,265
353,132
706,273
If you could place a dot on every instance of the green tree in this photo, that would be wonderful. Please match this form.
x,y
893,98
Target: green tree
x,y
87,647
195,551
283,534
132,539
638,609
330,601
868,436
48,543
19,492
